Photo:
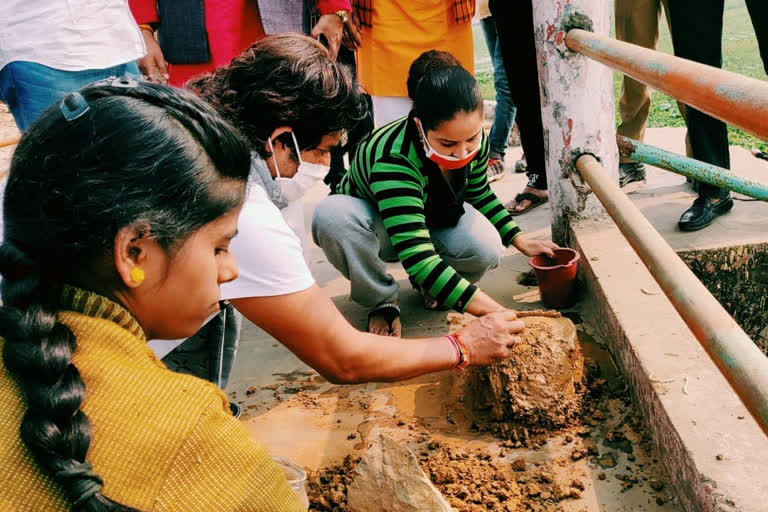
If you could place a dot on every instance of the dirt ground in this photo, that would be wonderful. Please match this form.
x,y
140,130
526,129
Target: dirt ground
x,y
601,460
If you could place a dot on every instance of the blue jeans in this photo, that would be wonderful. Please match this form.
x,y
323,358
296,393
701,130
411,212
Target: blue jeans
x,y
29,88
505,108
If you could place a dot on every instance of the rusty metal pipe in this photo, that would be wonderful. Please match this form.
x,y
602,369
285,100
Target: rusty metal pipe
x,y
730,97
734,353
691,168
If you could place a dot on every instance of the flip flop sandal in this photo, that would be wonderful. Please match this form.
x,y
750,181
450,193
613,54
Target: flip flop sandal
x,y
389,310
534,202
419,289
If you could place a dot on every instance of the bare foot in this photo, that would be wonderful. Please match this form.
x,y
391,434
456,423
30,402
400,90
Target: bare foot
x,y
383,323
525,203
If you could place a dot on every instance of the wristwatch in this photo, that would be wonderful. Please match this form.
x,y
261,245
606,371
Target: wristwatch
x,y
344,15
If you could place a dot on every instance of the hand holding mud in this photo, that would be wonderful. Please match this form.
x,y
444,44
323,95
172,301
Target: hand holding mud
x,y
491,337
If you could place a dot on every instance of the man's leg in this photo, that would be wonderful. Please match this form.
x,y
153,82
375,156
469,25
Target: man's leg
x,y
354,136
702,42
637,22
758,11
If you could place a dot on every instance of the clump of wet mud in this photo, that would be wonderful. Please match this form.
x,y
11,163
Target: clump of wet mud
x,y
539,388
327,487
473,481
593,444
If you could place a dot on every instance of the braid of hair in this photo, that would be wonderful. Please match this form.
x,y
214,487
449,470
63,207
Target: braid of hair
x,y
38,352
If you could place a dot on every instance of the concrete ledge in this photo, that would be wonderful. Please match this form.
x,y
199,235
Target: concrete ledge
x,y
716,454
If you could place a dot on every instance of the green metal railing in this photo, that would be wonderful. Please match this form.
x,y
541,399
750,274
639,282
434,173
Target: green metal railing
x,y
732,98
694,169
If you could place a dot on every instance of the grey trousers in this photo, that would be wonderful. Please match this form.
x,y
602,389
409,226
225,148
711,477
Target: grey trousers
x,y
353,237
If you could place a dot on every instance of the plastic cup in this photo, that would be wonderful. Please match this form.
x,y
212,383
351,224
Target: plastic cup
x,y
297,478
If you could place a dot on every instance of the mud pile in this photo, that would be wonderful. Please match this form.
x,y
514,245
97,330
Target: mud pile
x,y
327,487
540,387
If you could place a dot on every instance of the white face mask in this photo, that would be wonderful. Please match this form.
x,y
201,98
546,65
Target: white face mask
x,y
306,176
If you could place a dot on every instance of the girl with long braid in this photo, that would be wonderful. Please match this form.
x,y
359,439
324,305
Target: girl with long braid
x,y
118,213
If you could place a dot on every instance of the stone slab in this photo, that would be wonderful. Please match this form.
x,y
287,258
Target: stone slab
x,y
714,451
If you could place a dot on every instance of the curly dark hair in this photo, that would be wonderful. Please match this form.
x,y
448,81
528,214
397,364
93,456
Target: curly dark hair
x,y
284,80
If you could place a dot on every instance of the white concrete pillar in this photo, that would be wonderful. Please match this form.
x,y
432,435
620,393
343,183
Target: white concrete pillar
x,y
577,105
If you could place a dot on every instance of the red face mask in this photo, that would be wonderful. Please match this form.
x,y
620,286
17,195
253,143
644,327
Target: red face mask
x,y
446,161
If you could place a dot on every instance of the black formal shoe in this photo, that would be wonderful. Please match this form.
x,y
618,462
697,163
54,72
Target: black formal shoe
x,y
703,212
631,172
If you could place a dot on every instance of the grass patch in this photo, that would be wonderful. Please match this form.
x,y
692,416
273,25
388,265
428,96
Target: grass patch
x,y
740,55
485,80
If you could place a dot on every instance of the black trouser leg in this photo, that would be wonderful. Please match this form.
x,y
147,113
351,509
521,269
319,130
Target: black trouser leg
x,y
354,136
758,11
697,34
514,26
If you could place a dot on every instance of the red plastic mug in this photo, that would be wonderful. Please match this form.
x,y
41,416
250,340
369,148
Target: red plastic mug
x,y
557,277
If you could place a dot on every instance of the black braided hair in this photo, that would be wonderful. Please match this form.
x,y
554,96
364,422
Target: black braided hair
x,y
110,156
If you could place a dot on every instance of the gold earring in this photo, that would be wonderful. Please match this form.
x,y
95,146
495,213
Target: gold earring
x,y
137,275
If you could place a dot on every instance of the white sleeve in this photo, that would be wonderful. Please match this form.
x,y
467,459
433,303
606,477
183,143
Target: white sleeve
x,y
268,252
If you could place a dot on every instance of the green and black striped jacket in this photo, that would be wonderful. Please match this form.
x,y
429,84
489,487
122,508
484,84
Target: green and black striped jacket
x,y
390,169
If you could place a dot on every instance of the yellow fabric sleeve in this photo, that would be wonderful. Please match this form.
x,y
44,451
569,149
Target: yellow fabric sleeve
x,y
221,467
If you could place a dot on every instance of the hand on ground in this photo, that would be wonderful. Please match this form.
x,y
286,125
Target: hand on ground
x,y
491,337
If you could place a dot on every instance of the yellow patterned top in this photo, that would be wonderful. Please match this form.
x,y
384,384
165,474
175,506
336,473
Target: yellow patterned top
x,y
162,441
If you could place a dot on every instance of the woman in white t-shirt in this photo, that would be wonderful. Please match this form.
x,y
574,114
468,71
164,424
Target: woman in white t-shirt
x,y
293,102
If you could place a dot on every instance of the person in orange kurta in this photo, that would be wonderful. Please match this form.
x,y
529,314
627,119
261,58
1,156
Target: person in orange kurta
x,y
395,33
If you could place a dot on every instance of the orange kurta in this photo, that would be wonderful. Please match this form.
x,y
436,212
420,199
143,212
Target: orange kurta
x,y
402,30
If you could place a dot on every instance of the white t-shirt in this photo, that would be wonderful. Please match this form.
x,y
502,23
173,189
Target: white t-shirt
x,y
268,251
69,35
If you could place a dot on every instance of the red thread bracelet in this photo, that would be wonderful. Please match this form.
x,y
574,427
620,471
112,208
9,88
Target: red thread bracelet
x,y
462,358
455,346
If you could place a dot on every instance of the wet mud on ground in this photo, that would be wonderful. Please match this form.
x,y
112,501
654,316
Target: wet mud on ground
x,y
600,459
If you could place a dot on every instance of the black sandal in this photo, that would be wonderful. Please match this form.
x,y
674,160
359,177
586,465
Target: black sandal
x,y
389,310
533,198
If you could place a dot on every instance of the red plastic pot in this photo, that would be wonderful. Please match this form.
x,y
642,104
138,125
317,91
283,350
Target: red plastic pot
x,y
557,277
